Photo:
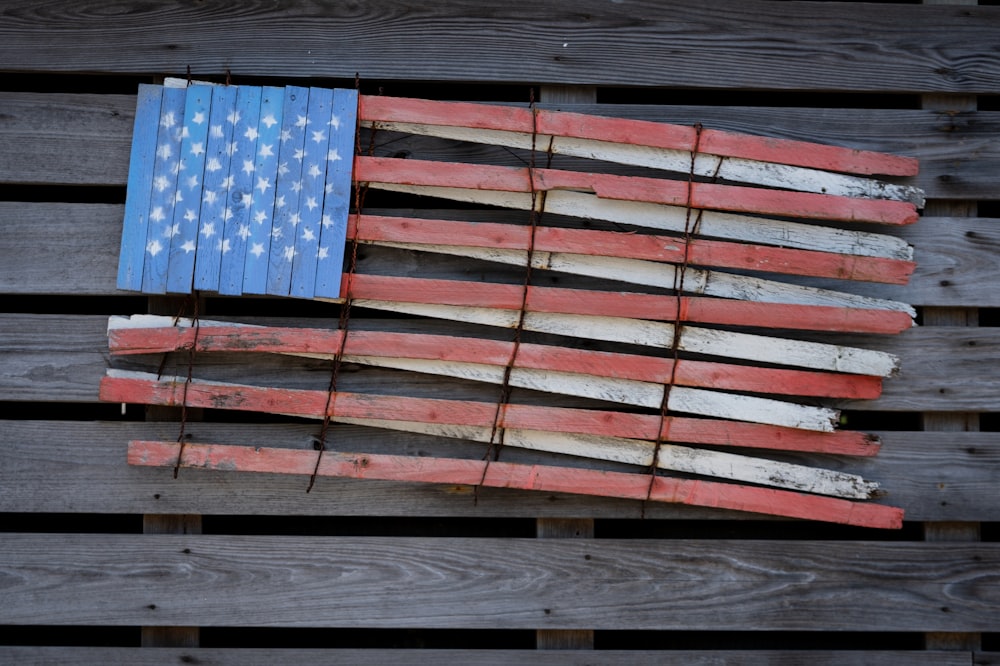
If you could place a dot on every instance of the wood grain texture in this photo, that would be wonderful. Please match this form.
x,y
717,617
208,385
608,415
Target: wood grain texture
x,y
84,139
498,583
84,656
763,45
933,476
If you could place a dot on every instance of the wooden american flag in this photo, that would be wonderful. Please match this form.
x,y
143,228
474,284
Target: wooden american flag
x,y
248,190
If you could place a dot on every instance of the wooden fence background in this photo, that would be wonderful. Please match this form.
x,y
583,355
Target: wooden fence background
x,y
100,562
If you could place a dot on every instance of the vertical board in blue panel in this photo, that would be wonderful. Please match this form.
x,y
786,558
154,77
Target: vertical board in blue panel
x,y
184,240
166,166
140,183
286,217
217,185
241,168
317,141
265,175
337,202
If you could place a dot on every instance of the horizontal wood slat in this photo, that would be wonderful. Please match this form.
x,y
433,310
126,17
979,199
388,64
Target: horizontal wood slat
x,y
83,656
85,139
106,579
765,45
932,476
72,249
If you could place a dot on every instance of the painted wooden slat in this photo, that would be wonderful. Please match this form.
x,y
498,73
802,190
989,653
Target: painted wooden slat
x,y
313,184
163,196
333,231
635,132
707,196
287,189
137,196
180,267
125,386
698,251
215,207
513,475
152,334
258,245
240,193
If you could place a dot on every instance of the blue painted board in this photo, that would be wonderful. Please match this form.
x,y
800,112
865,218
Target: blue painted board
x,y
166,166
264,178
180,267
337,203
317,141
140,183
241,169
218,183
285,221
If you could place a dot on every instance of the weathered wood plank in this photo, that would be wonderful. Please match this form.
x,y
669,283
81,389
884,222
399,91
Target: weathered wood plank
x,y
498,583
765,46
85,139
84,656
72,249
932,476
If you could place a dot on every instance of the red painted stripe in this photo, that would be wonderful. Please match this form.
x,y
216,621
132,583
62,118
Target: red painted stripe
x,y
635,132
632,188
702,252
313,404
653,369
546,478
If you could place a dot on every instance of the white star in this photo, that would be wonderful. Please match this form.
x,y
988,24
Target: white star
x,y
301,122
153,247
285,135
314,171
266,150
234,117
178,197
223,245
164,151
289,252
260,217
208,229
197,149
308,235
276,233
226,214
294,219
188,246
257,249
168,120
198,118
177,167
157,215
192,181
335,122
231,148
297,186
246,199
215,131
269,120
244,231
190,215
329,188
327,221
299,154
322,253
263,184
171,230
248,166
210,196
311,203
280,202
161,183
332,155
185,132
319,136
213,164
251,133
227,182
283,168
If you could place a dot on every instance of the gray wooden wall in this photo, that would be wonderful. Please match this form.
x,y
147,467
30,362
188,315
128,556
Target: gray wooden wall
x,y
100,562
